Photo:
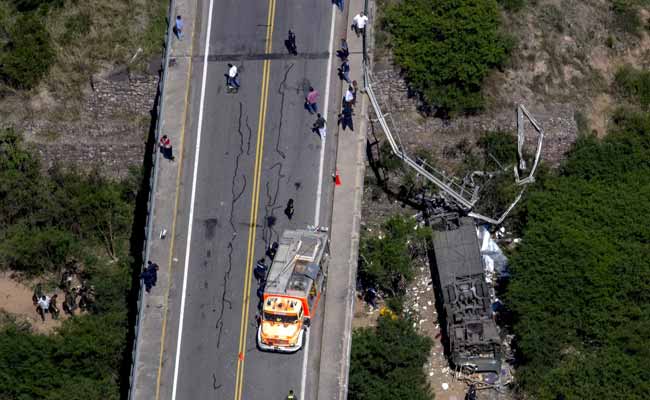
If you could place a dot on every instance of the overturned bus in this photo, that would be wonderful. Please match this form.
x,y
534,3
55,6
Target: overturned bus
x,y
472,337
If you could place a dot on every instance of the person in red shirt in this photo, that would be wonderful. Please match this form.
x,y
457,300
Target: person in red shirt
x,y
166,147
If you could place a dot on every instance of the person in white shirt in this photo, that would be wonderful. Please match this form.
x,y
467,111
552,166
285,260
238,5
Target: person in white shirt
x,y
233,76
349,95
43,306
359,23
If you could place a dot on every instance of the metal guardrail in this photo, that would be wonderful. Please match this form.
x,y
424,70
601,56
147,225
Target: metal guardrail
x,y
153,184
465,197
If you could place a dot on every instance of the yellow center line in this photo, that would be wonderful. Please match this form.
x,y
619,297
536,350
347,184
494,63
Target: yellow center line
x,y
173,230
250,253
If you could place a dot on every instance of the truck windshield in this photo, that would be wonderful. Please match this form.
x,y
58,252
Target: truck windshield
x,y
279,318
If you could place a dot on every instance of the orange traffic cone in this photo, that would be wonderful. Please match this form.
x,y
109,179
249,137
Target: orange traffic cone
x,y
337,178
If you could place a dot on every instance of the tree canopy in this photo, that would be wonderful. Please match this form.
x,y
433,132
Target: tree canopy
x,y
446,48
45,221
385,258
580,290
387,362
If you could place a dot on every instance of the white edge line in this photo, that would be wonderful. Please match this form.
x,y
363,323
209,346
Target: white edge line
x,y
319,191
191,216
303,380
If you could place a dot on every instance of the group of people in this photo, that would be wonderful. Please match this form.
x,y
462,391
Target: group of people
x,y
149,276
45,304
75,297
261,271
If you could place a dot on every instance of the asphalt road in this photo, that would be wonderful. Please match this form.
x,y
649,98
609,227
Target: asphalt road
x,y
256,150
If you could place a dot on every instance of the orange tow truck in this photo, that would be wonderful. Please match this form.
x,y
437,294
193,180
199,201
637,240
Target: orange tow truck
x,y
294,284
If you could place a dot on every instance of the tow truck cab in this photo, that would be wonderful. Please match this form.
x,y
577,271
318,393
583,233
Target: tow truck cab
x,y
293,288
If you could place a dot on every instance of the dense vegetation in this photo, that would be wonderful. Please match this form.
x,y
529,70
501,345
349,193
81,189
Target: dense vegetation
x,y
385,259
446,48
581,277
66,40
386,362
47,221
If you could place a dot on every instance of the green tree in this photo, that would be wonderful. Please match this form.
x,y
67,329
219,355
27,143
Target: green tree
x,y
385,260
36,250
387,362
580,290
28,55
446,48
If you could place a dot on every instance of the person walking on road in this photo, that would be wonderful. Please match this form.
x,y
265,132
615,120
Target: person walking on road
x,y
319,126
344,71
340,4
178,27
343,53
288,211
291,396
232,78
311,99
359,24
166,148
291,43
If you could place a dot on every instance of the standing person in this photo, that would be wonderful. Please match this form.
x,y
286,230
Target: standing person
x,y
291,43
233,77
291,396
178,27
270,252
147,279
311,99
344,71
349,96
319,126
260,271
69,303
343,53
355,88
359,23
345,118
288,211
43,306
54,310
166,148
153,272
340,4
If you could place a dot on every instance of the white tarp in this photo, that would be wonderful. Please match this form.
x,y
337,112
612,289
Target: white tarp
x,y
494,261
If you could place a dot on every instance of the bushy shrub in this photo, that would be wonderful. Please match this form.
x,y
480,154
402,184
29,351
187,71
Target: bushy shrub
x,y
580,289
387,362
512,5
385,261
31,5
28,55
446,48
634,84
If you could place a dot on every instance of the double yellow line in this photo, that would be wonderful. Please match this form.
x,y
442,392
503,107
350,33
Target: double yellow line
x,y
250,253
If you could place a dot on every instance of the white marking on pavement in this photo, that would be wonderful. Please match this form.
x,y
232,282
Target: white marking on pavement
x,y
193,197
319,191
303,380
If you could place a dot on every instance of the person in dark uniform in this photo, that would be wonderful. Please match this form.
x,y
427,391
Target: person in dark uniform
x,y
272,250
288,211
260,271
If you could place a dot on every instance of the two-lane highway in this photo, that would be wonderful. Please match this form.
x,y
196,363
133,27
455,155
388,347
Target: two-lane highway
x,y
245,155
